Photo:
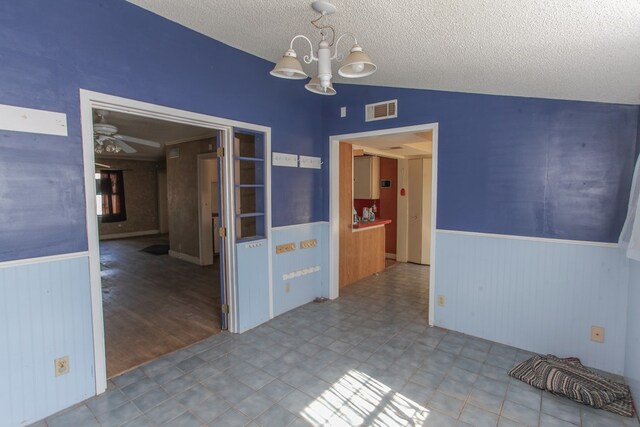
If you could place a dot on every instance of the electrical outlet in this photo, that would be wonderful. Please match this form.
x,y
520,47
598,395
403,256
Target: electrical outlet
x,y
287,288
441,300
61,365
343,111
597,334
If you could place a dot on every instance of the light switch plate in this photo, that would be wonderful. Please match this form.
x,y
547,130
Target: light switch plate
x,y
284,159
343,111
306,244
284,248
597,334
310,162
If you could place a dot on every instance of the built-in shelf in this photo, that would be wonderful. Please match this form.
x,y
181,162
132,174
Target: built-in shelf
x,y
250,239
250,159
249,215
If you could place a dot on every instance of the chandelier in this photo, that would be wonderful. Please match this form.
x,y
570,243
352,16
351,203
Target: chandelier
x,y
103,145
357,64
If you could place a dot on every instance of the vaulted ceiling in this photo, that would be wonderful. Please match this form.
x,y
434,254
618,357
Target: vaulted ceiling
x,y
567,49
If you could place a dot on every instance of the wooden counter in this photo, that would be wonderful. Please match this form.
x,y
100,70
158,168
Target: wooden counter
x,y
370,224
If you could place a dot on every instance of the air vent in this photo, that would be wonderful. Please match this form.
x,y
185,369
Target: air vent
x,y
381,110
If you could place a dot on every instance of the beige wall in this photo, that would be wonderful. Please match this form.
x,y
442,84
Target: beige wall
x,y
141,196
182,192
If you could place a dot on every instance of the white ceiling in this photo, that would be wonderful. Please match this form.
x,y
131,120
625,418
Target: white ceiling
x,y
567,49
407,145
161,131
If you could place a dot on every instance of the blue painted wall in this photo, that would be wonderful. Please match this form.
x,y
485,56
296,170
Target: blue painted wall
x,y
45,312
49,50
509,165
632,358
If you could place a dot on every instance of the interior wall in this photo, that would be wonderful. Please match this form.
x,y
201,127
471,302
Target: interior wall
x,y
182,195
511,165
538,168
389,203
632,351
141,197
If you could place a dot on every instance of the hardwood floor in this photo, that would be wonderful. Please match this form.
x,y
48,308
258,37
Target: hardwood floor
x,y
153,304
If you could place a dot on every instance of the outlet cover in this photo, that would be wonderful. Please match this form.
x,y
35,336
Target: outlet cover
x,y
441,300
61,365
597,334
287,288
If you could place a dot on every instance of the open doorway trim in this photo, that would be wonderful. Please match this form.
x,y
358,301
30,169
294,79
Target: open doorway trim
x,y
90,100
334,205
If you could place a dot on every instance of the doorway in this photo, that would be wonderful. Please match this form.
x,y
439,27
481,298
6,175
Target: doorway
x,y
90,101
387,143
161,283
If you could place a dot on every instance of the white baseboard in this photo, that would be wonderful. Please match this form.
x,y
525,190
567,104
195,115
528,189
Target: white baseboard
x,y
130,234
390,256
184,257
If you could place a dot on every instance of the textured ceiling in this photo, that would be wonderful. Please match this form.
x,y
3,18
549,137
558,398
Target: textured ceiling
x,y
407,145
568,49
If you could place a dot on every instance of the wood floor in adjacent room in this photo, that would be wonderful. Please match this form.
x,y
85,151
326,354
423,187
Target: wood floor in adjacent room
x,y
153,304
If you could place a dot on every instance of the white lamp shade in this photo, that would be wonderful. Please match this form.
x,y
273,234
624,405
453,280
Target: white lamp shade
x,y
357,64
288,67
315,87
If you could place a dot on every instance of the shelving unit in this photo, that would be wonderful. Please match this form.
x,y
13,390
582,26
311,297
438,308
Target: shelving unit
x,y
249,163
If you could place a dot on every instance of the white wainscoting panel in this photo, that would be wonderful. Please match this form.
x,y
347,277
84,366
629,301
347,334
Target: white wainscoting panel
x,y
540,296
45,313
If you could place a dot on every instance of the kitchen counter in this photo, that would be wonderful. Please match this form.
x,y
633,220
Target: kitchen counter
x,y
360,226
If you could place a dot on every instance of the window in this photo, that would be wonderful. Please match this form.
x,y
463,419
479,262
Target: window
x,y
110,196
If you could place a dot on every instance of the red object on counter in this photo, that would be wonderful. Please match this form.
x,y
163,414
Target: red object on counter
x,y
372,223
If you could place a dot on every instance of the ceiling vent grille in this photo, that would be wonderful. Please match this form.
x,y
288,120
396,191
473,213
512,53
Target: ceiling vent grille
x,y
381,110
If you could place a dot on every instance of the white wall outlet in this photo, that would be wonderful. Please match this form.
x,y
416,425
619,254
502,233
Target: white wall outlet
x,y
597,334
287,288
61,365
284,159
441,300
343,111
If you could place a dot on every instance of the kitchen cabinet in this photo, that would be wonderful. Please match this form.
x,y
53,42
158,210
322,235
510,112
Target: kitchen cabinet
x,y
366,177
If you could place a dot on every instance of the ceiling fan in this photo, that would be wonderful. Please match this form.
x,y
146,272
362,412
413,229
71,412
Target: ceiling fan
x,y
106,138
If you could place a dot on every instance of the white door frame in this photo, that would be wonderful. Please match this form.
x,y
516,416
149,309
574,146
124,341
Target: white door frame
x,y
90,100
334,205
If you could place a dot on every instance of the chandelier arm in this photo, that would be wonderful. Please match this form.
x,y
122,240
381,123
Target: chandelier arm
x,y
338,56
308,59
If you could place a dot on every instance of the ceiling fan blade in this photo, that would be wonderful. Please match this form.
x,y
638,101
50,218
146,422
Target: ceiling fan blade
x,y
126,147
140,141
102,165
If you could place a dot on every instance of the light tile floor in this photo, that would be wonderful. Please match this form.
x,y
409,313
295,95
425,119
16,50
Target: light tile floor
x,y
367,358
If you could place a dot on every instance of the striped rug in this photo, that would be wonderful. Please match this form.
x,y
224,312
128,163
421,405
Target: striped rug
x,y
568,377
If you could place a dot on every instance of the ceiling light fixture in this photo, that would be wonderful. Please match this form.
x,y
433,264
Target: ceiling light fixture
x,y
103,141
357,64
